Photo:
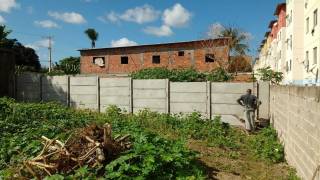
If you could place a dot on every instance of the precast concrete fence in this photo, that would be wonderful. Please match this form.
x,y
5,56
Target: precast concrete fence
x,y
160,95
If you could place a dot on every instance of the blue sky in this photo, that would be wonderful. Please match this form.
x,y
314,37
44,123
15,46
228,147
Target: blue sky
x,y
129,22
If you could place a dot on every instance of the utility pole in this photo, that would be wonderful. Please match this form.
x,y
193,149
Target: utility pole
x,y
50,50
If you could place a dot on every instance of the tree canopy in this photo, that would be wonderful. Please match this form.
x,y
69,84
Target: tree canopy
x,y
92,35
24,56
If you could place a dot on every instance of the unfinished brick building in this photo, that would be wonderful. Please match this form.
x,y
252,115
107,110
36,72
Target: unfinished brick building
x,y
203,55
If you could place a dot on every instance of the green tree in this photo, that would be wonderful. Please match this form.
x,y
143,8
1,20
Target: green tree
x,y
4,41
267,74
69,65
25,57
238,44
92,35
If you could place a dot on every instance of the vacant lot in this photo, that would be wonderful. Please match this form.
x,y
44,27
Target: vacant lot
x,y
163,146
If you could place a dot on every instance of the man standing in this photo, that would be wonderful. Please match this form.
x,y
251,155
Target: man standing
x,y
249,102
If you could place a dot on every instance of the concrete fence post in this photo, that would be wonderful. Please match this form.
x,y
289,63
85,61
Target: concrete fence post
x,y
131,95
68,91
168,96
98,93
208,106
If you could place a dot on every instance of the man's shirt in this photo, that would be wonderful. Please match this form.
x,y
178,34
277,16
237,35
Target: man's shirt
x,y
248,100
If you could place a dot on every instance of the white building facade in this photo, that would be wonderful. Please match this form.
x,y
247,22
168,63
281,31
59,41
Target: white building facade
x,y
311,42
293,45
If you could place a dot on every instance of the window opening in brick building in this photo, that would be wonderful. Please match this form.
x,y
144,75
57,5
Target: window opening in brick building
x,y
209,58
156,59
98,61
124,60
181,53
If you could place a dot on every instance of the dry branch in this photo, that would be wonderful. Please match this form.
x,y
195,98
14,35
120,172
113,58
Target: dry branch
x,y
91,146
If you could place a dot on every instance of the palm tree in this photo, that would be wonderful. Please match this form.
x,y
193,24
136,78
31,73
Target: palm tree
x,y
238,44
92,35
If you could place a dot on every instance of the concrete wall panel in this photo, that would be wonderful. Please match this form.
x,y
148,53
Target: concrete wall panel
x,y
230,88
28,87
188,97
84,92
115,91
55,88
151,94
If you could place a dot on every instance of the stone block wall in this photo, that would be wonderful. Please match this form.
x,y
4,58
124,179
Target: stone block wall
x,y
295,114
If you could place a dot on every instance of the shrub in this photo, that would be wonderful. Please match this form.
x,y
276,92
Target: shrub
x,y
267,74
182,75
154,158
265,145
219,75
152,73
22,125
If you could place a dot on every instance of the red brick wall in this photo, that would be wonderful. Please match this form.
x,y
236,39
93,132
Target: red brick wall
x,y
141,57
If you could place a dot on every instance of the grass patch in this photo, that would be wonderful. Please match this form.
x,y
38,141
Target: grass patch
x,y
165,146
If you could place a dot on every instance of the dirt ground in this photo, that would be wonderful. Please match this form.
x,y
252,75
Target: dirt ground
x,y
230,164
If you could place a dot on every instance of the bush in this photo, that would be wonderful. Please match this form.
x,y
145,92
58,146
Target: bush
x,y
267,74
219,75
22,125
265,145
182,75
154,158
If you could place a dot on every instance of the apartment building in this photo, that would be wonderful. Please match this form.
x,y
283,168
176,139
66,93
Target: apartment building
x,y
294,49
294,42
272,49
311,41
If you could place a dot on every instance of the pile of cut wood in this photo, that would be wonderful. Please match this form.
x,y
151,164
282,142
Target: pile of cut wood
x,y
89,146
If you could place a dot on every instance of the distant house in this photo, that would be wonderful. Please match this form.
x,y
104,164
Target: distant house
x,y
203,55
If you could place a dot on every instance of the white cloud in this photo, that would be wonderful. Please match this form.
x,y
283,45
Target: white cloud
x,y
248,35
215,30
68,17
2,20
164,30
32,46
142,14
44,43
7,5
177,16
122,42
46,24
112,17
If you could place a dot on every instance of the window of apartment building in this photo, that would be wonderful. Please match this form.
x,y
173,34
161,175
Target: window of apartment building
x,y
315,55
181,53
307,61
287,66
209,58
156,59
280,54
290,65
315,18
291,42
307,25
124,60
